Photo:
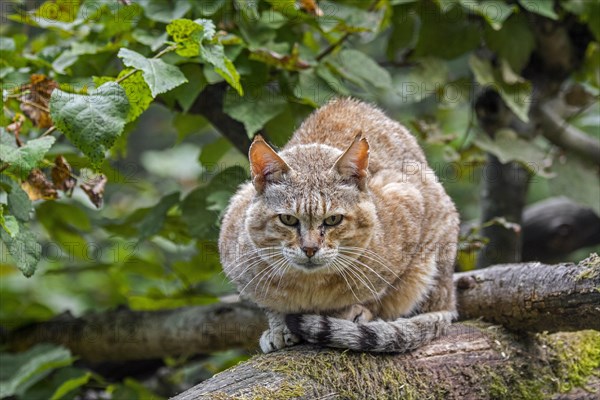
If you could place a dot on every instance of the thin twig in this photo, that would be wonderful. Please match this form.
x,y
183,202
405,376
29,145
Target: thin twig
x,y
165,51
49,131
35,105
127,75
333,46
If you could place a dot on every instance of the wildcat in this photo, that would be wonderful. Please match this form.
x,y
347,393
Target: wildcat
x,y
345,238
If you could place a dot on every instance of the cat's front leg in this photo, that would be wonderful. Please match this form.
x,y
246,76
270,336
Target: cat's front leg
x,y
278,335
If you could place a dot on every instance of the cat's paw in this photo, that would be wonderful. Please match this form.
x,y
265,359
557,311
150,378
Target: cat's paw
x,y
277,338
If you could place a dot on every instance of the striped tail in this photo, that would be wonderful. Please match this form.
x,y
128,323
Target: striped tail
x,y
397,336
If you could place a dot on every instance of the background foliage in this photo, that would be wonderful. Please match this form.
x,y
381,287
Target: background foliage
x,y
113,181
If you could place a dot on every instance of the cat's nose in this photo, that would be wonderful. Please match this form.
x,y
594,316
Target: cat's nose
x,y
310,250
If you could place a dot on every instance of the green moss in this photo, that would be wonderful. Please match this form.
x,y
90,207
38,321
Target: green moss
x,y
498,387
285,391
354,375
568,360
591,267
575,357
515,381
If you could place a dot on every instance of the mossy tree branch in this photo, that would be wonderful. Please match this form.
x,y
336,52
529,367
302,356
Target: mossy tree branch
x,y
474,361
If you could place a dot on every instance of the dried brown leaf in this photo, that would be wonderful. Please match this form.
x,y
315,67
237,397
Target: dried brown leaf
x,y
94,188
15,127
38,187
34,103
62,177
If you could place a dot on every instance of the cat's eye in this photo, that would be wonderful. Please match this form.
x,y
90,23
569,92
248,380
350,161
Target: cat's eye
x,y
333,220
288,220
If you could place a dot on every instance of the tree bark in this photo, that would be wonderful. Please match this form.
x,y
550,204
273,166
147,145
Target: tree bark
x,y
472,362
533,297
528,296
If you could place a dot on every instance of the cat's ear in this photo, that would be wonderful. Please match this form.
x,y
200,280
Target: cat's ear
x,y
353,164
265,165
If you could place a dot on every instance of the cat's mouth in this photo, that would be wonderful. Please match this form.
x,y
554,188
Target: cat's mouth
x,y
310,265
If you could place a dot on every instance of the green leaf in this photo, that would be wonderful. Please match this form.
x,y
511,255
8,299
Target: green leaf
x,y
541,7
9,223
404,29
52,214
23,159
149,38
187,93
187,124
91,122
361,69
576,179
130,389
138,93
493,11
196,207
154,220
214,54
212,152
70,385
446,35
507,146
160,76
23,247
423,80
313,90
514,90
253,110
344,17
164,10
502,42
19,203
21,370
325,72
188,35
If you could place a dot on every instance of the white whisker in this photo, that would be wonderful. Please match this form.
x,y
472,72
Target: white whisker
x,y
342,273
354,260
367,254
353,270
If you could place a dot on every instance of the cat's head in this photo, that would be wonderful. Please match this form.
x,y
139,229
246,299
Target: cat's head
x,y
312,208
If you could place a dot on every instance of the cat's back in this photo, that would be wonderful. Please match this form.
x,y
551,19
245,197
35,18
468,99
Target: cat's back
x,y
338,122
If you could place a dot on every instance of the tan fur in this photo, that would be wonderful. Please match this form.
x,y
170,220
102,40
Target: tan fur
x,y
402,217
